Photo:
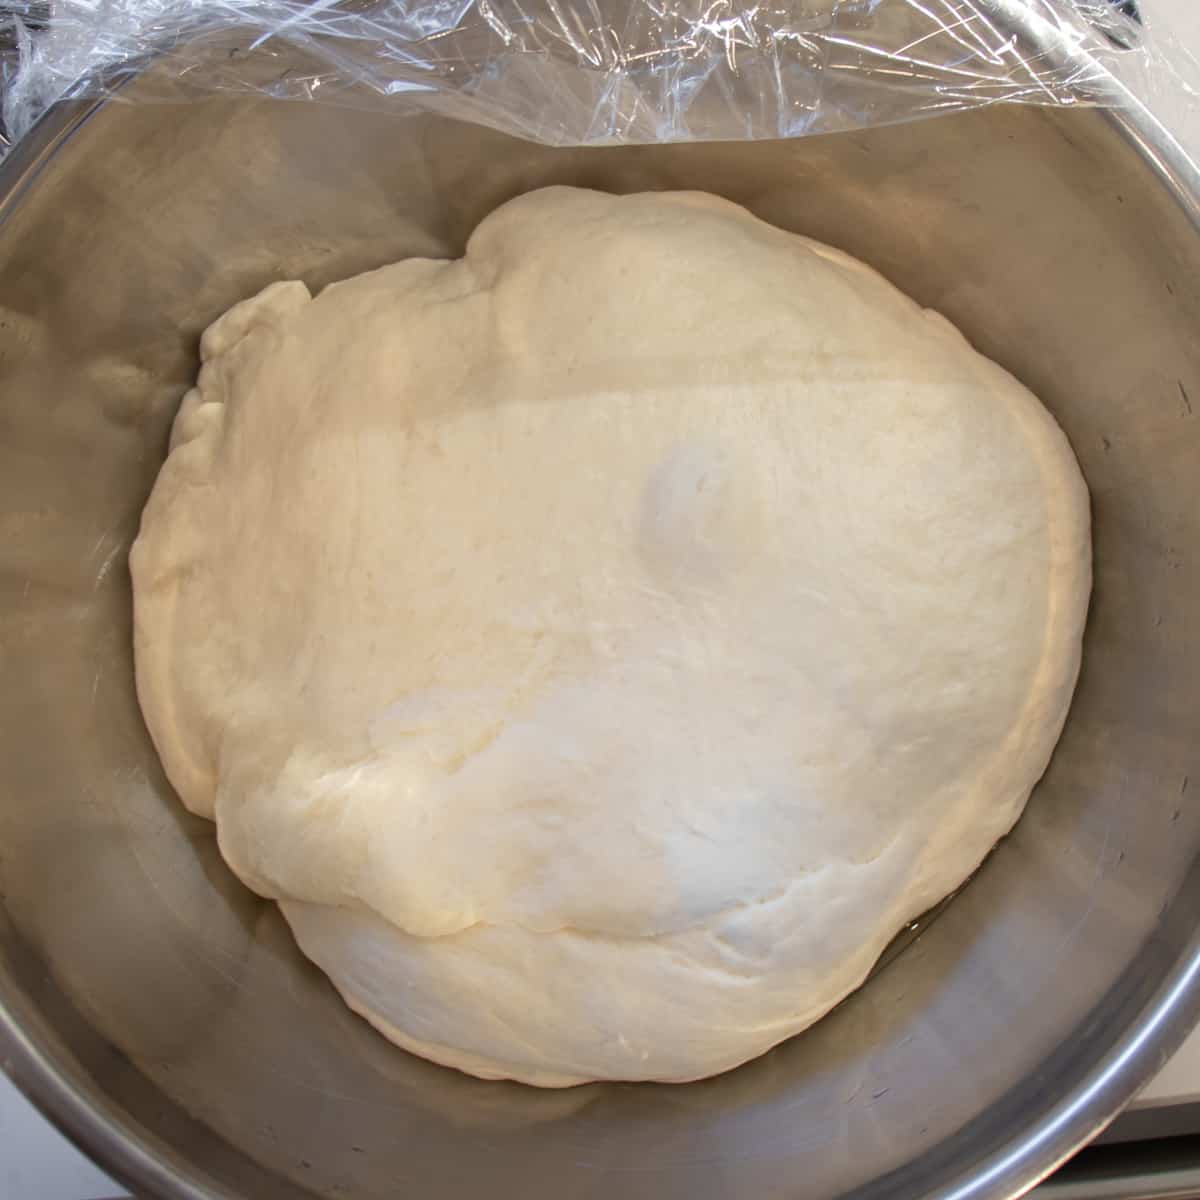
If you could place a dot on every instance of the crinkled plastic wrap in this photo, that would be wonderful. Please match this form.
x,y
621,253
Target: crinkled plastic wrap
x,y
587,71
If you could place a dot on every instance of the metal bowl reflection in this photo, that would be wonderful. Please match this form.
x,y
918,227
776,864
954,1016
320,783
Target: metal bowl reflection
x,y
161,1013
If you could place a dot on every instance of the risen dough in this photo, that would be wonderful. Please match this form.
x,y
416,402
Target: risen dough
x,y
602,644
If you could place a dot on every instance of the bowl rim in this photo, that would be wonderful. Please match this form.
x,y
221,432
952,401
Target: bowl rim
x,y
136,1157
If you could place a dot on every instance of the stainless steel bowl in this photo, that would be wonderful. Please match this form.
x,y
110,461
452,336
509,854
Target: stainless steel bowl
x,y
161,1013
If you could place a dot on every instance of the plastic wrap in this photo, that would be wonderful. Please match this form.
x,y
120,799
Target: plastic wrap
x,y
589,71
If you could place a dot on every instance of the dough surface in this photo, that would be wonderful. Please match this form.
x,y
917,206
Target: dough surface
x,y
601,645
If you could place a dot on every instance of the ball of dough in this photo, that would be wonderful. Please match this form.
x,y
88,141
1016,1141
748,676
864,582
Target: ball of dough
x,y
602,644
